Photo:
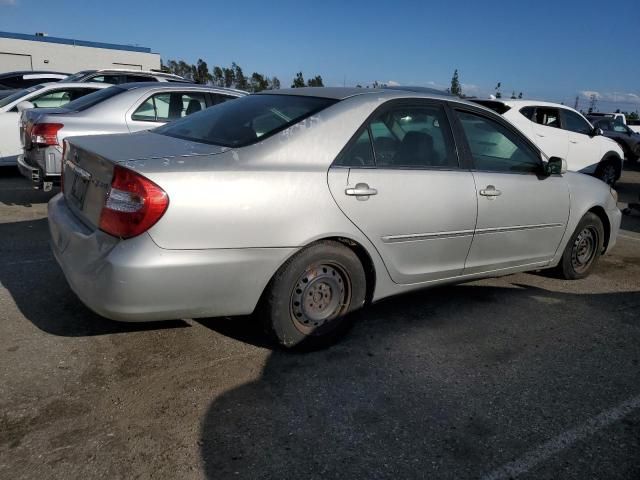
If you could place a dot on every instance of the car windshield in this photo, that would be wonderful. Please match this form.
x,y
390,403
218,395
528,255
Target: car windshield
x,y
88,101
242,122
18,95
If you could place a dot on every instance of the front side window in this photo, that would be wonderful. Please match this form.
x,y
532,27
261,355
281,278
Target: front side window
x,y
620,128
575,123
495,148
405,137
246,120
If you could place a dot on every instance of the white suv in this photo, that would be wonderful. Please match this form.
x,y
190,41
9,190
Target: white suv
x,y
562,132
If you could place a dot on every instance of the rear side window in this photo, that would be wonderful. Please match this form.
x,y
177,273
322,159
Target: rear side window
x,y
246,120
169,106
112,79
59,98
549,117
138,78
405,137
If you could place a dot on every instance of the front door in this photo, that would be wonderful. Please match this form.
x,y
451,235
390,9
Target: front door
x,y
400,183
584,151
522,214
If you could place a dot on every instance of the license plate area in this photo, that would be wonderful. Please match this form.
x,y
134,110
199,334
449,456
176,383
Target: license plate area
x,y
79,183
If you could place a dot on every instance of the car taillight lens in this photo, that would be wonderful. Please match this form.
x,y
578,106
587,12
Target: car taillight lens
x,y
45,134
133,205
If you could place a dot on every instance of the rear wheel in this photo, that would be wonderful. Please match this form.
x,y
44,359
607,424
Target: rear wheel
x,y
583,250
607,172
307,301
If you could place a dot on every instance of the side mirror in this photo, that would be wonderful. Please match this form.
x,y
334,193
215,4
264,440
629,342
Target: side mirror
x,y
25,105
596,131
555,166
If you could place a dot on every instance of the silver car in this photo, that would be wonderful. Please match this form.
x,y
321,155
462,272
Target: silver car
x,y
119,109
306,204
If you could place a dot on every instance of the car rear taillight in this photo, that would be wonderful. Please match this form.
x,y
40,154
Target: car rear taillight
x,y
45,134
133,205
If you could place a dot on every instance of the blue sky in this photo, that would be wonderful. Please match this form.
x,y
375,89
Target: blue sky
x,y
548,50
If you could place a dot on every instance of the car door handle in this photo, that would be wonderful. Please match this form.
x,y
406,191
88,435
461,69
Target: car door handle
x,y
490,191
540,135
361,190
573,141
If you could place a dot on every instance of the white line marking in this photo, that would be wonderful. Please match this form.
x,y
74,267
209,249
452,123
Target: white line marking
x,y
629,237
563,441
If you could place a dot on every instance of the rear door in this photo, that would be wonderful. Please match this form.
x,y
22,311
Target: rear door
x,y
399,181
547,129
522,214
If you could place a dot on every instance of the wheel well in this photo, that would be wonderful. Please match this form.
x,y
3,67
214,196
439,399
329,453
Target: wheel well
x,y
599,211
614,158
365,259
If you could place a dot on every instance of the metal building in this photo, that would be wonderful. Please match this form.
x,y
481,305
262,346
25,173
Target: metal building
x,y
40,52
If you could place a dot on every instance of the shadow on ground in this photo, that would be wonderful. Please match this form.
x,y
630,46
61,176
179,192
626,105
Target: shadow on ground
x,y
445,383
37,286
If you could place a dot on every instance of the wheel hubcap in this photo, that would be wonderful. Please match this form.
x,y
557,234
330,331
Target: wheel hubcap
x,y
320,295
584,249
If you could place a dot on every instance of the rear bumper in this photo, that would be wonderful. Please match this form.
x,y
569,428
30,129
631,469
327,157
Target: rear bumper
x,y
135,280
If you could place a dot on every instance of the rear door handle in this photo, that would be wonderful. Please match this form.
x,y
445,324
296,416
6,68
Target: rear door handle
x,y
573,141
490,191
361,190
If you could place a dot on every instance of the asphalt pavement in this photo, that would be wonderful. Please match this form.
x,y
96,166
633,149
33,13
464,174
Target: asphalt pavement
x,y
524,376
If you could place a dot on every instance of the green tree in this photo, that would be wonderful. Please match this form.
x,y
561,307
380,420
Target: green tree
x,y
315,82
258,82
456,88
241,81
201,73
218,77
274,83
298,82
229,76
633,116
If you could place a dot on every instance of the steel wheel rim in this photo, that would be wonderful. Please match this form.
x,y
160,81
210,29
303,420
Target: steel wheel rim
x,y
320,295
584,249
609,174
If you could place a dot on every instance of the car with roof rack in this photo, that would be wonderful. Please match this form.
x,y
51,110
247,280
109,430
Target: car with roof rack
x,y
125,108
303,205
117,76
28,78
561,131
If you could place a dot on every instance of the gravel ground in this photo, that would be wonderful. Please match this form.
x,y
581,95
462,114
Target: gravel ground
x,y
524,376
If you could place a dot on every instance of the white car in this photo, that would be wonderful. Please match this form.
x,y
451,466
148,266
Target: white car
x,y
562,132
44,95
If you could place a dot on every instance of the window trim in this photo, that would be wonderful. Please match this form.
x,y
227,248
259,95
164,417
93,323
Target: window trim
x,y
497,119
390,105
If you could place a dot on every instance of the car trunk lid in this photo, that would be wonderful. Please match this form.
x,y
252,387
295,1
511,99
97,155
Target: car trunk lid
x,y
89,161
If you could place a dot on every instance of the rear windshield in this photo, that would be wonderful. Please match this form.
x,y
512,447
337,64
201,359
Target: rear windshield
x,y
92,99
244,121
18,95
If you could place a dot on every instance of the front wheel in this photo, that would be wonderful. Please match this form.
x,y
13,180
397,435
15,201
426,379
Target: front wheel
x,y
307,301
607,172
583,250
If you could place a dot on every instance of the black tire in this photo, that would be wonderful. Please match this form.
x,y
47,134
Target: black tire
x,y
307,302
583,250
608,172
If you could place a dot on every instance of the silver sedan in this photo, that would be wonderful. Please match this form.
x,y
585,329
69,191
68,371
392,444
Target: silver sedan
x,y
124,108
304,205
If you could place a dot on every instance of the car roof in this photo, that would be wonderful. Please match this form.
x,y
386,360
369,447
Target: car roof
x,y
171,85
132,70
30,72
342,93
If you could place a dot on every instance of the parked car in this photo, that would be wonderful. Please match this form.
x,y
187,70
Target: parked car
x,y
118,109
634,125
628,140
39,96
116,76
562,132
28,78
616,117
305,204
